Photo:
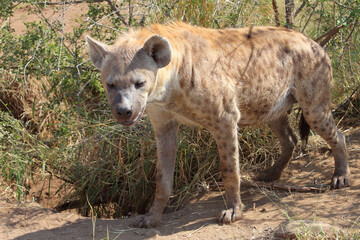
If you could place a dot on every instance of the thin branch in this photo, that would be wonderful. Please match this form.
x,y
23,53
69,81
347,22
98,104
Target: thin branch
x,y
62,35
276,13
346,100
130,13
307,22
117,12
110,14
39,164
64,67
196,231
332,32
319,23
300,8
51,25
342,5
103,25
312,188
37,47
289,13
352,30
142,21
5,23
73,2
319,188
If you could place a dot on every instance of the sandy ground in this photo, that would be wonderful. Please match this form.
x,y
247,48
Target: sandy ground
x,y
24,14
266,209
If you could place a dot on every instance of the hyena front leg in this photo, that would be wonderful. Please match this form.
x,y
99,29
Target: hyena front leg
x,y
166,142
227,142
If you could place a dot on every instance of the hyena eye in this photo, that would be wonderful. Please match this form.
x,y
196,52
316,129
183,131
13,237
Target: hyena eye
x,y
110,85
139,85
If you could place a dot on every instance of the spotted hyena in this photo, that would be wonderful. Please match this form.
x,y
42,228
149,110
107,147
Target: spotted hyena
x,y
219,80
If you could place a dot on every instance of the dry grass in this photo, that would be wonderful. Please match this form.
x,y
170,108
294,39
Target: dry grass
x,y
28,102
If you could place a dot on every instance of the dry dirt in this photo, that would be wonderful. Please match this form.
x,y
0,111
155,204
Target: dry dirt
x,y
266,209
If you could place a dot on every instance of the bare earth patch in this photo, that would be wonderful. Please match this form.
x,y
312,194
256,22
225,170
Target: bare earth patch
x,y
266,209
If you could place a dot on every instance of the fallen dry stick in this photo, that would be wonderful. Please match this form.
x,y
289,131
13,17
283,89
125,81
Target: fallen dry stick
x,y
312,188
318,188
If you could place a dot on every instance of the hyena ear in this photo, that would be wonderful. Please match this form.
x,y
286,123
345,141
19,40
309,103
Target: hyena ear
x,y
98,51
159,49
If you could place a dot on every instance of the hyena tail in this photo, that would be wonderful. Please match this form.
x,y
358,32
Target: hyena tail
x,y
304,129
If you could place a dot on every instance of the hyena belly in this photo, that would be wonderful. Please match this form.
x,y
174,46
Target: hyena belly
x,y
266,89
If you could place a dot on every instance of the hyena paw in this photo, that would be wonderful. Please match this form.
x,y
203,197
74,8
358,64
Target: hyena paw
x,y
146,221
340,181
228,216
269,175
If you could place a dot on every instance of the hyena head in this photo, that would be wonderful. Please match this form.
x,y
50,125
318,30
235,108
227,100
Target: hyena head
x,y
128,73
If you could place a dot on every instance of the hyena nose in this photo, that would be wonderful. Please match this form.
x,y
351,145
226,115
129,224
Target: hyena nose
x,y
124,112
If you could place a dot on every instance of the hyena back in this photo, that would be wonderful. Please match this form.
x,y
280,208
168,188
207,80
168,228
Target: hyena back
x,y
219,80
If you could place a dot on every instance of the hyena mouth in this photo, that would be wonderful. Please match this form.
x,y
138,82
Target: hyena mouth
x,y
132,122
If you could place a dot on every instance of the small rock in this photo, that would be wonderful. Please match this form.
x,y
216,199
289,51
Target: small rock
x,y
33,205
289,229
151,233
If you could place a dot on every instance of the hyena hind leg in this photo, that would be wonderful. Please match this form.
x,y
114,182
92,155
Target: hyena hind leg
x,y
282,130
321,121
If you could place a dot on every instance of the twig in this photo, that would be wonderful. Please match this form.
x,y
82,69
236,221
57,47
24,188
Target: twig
x,y
248,183
196,231
37,47
5,23
342,5
100,24
301,156
352,30
78,71
348,99
130,13
289,13
276,13
50,25
307,22
300,8
315,188
112,13
117,12
62,35
321,10
72,2
142,21
52,173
